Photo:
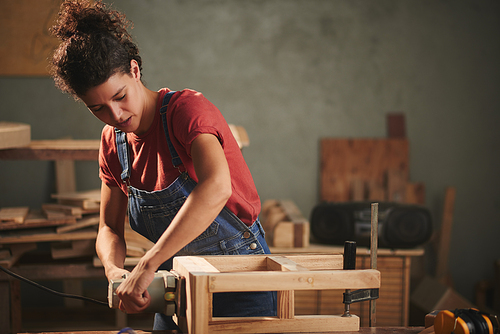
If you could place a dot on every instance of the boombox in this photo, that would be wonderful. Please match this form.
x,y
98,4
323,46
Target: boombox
x,y
400,225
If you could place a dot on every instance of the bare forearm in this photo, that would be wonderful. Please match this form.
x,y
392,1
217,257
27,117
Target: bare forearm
x,y
198,212
111,250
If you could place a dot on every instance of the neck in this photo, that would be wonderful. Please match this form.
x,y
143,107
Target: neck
x,y
150,99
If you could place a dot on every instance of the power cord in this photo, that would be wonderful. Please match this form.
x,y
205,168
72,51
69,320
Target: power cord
x,y
65,295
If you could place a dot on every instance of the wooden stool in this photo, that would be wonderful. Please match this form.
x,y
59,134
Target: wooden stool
x,y
205,275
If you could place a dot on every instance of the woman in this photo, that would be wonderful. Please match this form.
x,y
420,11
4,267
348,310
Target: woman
x,y
169,157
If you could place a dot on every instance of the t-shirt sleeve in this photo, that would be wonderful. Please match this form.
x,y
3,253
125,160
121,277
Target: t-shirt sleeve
x,y
193,115
106,152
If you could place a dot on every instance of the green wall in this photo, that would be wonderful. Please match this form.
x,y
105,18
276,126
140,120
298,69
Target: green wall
x,y
293,71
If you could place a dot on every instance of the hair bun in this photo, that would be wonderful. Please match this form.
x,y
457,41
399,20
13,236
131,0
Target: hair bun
x,y
79,18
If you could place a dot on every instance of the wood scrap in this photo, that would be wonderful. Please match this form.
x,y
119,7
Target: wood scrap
x,y
284,224
16,215
66,209
88,200
80,224
36,220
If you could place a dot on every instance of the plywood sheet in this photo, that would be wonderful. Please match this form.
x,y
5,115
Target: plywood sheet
x,y
25,42
345,162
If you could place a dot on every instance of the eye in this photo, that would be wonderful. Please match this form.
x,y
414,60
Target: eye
x,y
121,98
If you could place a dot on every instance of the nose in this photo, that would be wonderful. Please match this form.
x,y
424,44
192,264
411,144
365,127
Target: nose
x,y
116,112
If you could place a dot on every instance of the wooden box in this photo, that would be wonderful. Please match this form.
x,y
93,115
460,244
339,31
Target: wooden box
x,y
285,274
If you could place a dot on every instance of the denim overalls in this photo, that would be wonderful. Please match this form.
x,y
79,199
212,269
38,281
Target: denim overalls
x,y
150,213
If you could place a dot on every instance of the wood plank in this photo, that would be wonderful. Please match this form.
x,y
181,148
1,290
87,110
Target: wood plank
x,y
60,149
36,220
87,200
305,323
273,281
14,135
344,159
65,176
82,223
44,236
66,209
442,270
16,215
282,263
396,185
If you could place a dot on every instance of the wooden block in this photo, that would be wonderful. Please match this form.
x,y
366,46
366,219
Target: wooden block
x,y
14,135
16,215
343,160
290,234
36,220
284,224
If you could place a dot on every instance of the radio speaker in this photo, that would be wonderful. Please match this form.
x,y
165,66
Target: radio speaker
x,y
400,225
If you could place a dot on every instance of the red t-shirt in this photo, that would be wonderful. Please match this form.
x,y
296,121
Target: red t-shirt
x,y
189,114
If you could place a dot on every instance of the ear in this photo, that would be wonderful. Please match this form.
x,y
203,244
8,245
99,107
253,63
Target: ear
x,y
135,71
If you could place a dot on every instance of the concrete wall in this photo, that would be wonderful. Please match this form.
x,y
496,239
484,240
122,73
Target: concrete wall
x,y
293,71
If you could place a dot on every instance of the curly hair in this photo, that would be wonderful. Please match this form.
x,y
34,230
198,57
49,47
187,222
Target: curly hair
x,y
94,45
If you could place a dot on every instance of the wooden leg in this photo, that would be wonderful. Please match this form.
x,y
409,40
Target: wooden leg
x,y
5,307
15,305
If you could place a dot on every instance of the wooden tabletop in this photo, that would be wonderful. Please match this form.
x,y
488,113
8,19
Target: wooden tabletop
x,y
362,330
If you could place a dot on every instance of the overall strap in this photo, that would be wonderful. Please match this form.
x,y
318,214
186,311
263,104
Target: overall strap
x,y
176,160
123,155
123,149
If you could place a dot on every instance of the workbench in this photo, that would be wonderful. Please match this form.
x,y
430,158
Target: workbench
x,y
363,330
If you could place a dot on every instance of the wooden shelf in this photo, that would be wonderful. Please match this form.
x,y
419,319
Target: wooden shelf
x,y
63,149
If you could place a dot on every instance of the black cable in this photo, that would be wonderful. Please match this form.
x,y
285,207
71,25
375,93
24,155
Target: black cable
x,y
65,295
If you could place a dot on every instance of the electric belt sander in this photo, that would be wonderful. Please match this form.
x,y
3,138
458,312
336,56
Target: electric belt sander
x,y
167,293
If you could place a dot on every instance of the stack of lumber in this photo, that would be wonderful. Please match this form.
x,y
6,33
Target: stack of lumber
x,y
284,224
70,226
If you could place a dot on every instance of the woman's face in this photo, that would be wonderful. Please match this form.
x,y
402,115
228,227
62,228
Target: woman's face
x,y
119,101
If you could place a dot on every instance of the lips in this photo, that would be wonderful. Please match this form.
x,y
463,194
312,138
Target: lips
x,y
125,123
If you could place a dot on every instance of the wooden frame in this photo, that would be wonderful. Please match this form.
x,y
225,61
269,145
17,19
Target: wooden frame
x,y
206,275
